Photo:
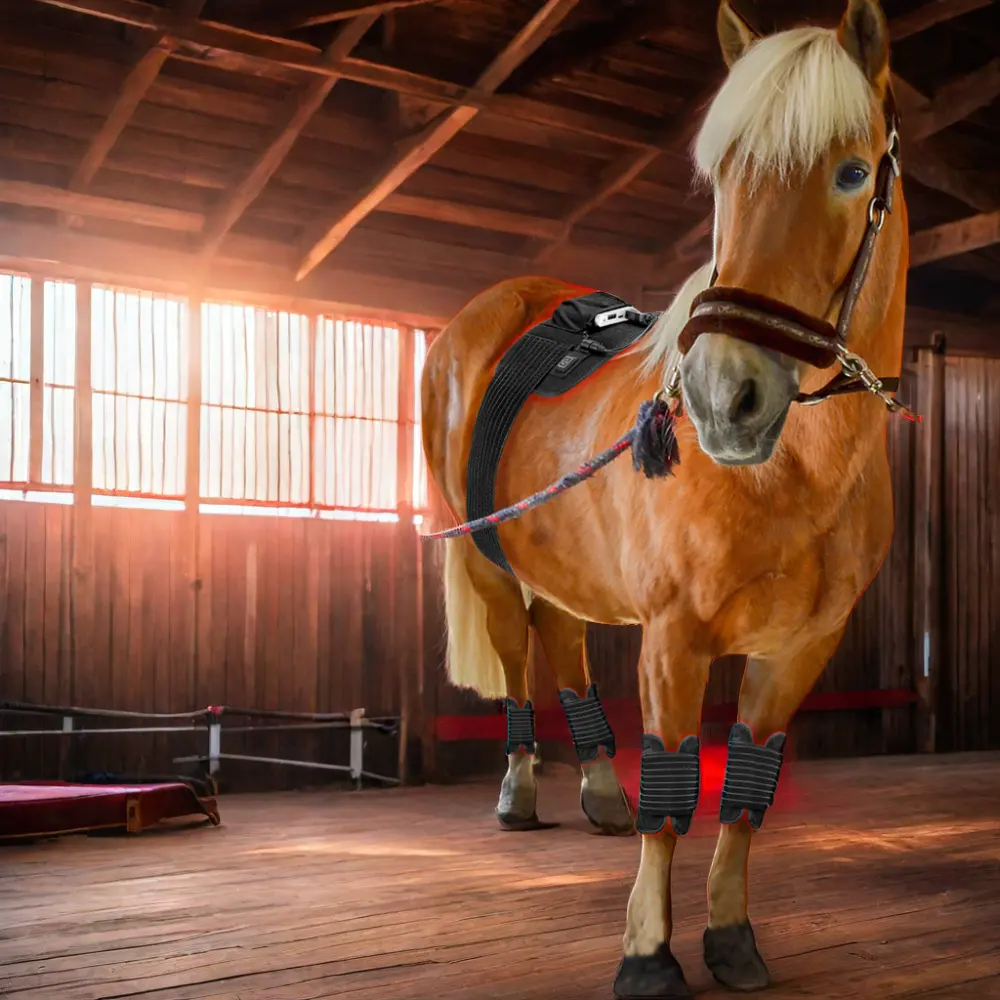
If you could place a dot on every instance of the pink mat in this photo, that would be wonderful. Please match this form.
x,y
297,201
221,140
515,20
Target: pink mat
x,y
46,809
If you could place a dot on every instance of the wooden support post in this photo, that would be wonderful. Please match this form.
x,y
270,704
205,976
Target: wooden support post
x,y
928,552
82,577
36,397
407,586
192,478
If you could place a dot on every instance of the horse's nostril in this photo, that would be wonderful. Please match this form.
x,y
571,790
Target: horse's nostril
x,y
745,401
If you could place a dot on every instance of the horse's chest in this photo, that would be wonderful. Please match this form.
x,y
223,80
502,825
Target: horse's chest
x,y
766,582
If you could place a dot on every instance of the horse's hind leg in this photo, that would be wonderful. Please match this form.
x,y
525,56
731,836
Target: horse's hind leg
x,y
564,639
771,693
488,623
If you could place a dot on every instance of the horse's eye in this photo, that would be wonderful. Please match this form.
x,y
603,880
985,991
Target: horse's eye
x,y
851,176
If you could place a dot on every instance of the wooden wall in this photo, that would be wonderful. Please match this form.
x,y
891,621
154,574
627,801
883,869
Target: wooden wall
x,y
297,614
175,613
969,685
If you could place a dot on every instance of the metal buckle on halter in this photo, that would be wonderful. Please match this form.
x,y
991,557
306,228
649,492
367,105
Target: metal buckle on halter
x,y
893,152
877,205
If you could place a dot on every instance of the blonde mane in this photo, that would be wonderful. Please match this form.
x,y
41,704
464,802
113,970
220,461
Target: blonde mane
x,y
786,100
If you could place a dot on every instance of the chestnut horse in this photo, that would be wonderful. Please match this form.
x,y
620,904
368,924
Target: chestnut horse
x,y
777,517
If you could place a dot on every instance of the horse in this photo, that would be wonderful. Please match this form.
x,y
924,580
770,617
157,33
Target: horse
x,y
779,514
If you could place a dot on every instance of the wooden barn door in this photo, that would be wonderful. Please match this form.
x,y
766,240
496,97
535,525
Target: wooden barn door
x,y
968,694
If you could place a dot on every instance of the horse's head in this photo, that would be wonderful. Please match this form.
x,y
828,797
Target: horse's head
x,y
797,145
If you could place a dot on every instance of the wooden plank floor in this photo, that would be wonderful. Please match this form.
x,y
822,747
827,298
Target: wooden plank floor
x,y
880,879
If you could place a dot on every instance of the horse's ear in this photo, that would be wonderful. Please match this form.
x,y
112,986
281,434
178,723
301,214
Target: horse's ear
x,y
865,35
735,35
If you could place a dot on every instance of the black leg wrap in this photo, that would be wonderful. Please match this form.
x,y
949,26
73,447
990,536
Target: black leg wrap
x,y
752,774
668,785
587,723
520,727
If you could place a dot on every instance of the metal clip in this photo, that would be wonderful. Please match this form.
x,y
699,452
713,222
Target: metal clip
x,y
672,390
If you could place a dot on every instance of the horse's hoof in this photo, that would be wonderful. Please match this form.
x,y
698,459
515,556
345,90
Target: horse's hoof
x,y
519,824
611,814
658,975
732,957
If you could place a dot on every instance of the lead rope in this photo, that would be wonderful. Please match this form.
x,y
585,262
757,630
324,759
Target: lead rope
x,y
654,454
653,443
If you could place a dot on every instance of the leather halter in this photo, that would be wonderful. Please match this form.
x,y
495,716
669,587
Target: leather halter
x,y
769,323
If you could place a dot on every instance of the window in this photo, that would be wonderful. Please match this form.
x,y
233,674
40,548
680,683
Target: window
x,y
139,376
357,413
15,376
59,378
255,405
297,413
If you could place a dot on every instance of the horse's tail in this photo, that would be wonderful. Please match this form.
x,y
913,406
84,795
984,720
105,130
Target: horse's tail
x,y
472,660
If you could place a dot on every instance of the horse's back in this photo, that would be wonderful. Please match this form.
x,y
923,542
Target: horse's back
x,y
461,361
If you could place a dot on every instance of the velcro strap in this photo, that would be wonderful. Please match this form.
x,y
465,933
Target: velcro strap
x,y
669,784
752,772
587,723
520,727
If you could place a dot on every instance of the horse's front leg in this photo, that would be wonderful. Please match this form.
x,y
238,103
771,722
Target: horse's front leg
x,y
672,679
772,691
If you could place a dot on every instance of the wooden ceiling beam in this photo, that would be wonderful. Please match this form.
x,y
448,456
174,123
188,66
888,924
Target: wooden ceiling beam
x,y
620,174
954,238
78,203
416,151
134,88
931,13
475,216
302,107
241,50
954,102
582,47
923,163
316,12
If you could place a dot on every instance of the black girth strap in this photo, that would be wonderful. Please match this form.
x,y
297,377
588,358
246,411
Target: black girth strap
x,y
669,784
588,724
752,774
549,359
520,727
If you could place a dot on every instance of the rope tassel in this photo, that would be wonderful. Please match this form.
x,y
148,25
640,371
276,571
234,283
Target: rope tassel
x,y
654,453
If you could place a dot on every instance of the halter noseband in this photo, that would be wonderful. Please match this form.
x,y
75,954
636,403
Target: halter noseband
x,y
769,323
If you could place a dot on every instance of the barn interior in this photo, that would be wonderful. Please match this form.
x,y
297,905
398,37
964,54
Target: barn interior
x,y
229,229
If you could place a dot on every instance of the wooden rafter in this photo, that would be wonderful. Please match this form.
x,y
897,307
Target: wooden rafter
x,y
954,102
931,13
301,109
315,12
418,150
623,172
242,50
924,164
581,47
133,90
954,238
78,203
